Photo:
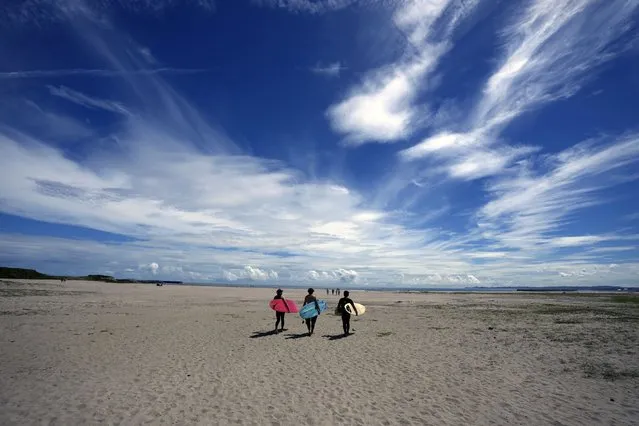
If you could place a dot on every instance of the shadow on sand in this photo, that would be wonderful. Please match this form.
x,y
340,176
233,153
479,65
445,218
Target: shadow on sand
x,y
297,336
336,336
257,334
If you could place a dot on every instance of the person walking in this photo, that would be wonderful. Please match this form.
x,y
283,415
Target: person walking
x,y
310,322
279,316
346,317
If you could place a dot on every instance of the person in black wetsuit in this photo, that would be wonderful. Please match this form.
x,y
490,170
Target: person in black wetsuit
x,y
279,316
310,322
346,317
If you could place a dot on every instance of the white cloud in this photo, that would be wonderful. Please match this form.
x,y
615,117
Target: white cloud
x,y
331,70
251,273
44,122
6,75
340,274
381,108
370,216
419,268
41,12
87,101
612,249
147,55
230,276
152,267
437,279
172,270
575,241
487,254
587,271
484,163
444,141
465,156
346,275
307,6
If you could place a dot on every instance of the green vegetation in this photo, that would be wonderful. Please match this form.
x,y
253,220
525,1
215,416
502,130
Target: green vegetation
x,y
602,312
99,278
625,298
32,274
26,274
607,371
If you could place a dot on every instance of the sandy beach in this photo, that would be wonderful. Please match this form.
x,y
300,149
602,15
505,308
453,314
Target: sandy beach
x,y
98,353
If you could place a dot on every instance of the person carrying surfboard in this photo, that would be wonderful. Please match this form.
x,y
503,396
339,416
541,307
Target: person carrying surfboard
x,y
346,317
279,316
310,322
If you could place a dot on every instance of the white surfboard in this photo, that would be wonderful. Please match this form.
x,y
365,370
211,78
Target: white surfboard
x,y
360,309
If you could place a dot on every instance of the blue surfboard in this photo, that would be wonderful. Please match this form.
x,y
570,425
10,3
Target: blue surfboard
x,y
310,310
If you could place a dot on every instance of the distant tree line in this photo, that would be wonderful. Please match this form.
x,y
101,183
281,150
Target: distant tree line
x,y
32,274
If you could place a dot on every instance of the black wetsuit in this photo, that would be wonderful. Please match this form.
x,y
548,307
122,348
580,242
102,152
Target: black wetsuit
x,y
279,316
310,322
346,317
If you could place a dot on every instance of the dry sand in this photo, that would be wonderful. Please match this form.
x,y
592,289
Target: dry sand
x,y
93,353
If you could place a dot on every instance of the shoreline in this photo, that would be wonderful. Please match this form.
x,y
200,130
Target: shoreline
x,y
461,290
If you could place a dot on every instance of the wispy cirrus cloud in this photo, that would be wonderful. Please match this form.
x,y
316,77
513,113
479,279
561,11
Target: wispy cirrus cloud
x,y
307,6
331,70
94,72
42,121
147,55
551,49
526,208
42,12
577,241
88,101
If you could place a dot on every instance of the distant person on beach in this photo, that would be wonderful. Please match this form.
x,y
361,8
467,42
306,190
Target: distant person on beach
x,y
279,316
332,291
310,322
327,292
346,317
338,291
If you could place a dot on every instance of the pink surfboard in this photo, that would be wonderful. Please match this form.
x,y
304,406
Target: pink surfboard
x,y
278,305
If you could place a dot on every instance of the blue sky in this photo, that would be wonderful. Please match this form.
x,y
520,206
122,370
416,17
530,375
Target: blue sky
x,y
332,142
